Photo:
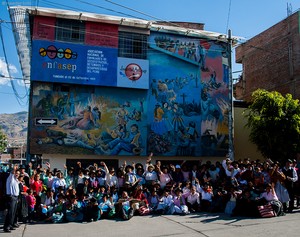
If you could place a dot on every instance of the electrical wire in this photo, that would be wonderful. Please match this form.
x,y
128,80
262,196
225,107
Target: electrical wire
x,y
91,4
18,96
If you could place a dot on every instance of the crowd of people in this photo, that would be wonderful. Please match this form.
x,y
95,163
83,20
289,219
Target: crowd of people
x,y
86,194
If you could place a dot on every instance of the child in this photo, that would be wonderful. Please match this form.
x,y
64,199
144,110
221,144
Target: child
x,y
93,211
105,206
30,199
180,206
231,204
153,201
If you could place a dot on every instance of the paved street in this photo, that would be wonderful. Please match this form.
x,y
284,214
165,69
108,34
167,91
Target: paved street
x,y
204,224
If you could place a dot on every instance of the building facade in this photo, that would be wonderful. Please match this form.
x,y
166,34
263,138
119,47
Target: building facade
x,y
105,87
271,60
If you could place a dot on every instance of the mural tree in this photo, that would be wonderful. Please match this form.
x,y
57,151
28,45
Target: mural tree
x,y
274,122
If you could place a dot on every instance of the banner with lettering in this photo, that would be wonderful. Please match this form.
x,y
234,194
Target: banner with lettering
x,y
73,63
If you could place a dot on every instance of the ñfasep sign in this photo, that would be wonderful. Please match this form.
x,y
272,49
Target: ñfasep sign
x,y
73,63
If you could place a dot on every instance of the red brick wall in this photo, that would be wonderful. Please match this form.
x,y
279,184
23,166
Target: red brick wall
x,y
266,61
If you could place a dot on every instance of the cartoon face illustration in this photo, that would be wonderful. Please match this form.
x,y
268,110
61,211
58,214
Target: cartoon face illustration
x,y
68,53
43,52
51,52
60,53
133,72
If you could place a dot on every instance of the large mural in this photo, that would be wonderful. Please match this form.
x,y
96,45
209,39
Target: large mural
x,y
189,100
175,103
87,120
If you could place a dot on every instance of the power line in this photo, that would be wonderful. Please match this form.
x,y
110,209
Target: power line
x,y
7,65
7,93
91,4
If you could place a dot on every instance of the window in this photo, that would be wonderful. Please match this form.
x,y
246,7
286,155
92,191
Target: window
x,y
132,45
70,30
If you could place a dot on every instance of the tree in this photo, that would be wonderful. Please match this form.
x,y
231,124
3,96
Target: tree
x,y
3,141
274,122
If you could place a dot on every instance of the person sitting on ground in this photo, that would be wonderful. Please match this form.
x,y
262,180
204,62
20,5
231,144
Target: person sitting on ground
x,y
73,210
193,200
153,201
124,207
180,206
270,197
93,211
166,205
106,206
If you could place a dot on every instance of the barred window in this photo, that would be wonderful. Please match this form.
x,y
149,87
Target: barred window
x,y
132,45
70,30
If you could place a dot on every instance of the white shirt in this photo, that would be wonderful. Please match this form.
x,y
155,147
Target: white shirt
x,y
167,200
12,185
193,198
164,179
204,195
151,176
269,196
58,182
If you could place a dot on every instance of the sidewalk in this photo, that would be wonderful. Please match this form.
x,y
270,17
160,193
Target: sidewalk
x,y
202,224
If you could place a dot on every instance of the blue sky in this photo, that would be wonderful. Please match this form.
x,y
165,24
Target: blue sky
x,y
246,18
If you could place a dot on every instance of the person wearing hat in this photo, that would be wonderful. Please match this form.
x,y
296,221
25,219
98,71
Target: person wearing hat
x,y
150,175
25,175
93,211
176,174
73,210
130,179
291,177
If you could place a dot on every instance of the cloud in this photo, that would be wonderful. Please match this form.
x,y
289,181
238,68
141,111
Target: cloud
x,y
4,80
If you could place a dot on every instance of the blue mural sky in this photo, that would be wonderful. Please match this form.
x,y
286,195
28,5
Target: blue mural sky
x,y
245,19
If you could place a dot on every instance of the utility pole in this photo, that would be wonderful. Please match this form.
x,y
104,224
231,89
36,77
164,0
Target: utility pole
x,y
230,87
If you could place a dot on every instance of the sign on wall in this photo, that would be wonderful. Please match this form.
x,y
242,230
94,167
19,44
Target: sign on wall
x,y
73,63
44,28
133,73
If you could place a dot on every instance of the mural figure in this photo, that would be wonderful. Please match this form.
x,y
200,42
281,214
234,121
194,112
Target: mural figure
x,y
166,116
157,125
60,109
177,120
122,115
213,84
87,122
131,143
202,57
159,144
72,105
96,115
45,104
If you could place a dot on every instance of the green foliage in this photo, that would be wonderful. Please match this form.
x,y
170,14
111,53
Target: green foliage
x,y
274,122
3,141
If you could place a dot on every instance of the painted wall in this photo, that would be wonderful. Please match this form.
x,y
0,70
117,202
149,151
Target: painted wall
x,y
188,100
88,120
173,104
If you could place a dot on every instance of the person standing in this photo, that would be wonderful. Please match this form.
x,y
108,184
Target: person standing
x,y
12,192
291,178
